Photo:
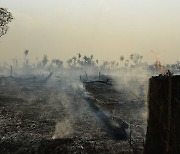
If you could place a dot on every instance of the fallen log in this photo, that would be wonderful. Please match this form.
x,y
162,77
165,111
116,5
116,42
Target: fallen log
x,y
47,78
108,82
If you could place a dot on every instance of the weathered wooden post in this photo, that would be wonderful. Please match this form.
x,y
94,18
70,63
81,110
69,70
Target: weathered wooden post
x,y
163,131
86,75
11,71
130,136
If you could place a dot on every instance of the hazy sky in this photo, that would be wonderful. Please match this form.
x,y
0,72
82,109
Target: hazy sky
x,y
105,28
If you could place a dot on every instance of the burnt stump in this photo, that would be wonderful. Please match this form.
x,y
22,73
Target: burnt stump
x,y
163,131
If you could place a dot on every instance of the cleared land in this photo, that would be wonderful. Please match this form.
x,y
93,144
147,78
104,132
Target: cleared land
x,y
61,116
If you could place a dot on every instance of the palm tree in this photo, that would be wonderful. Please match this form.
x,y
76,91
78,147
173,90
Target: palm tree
x,y
45,60
127,63
74,59
79,55
122,59
69,62
58,62
25,54
91,57
140,58
85,58
97,61
105,64
131,57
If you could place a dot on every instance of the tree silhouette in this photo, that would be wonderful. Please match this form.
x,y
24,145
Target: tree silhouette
x,y
112,64
140,58
97,61
126,63
25,56
5,18
57,62
122,59
45,60
105,64
69,62
91,57
79,55
136,58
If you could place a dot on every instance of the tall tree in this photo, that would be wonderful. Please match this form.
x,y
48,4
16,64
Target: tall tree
x,y
25,54
122,59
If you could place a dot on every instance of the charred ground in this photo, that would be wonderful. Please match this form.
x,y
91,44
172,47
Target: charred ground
x,y
56,116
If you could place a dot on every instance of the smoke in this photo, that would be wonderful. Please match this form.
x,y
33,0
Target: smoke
x,y
133,84
63,129
69,100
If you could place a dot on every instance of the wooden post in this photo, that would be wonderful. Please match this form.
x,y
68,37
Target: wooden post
x,y
86,75
11,70
130,136
163,131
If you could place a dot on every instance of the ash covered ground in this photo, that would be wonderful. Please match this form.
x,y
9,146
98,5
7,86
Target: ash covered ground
x,y
59,115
